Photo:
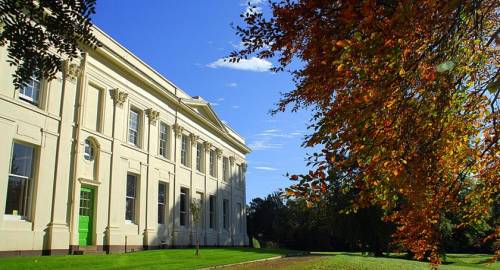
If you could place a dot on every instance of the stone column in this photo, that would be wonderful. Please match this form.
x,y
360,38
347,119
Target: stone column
x,y
58,228
114,238
149,228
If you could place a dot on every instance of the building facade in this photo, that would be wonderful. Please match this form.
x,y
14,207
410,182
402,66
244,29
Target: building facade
x,y
110,156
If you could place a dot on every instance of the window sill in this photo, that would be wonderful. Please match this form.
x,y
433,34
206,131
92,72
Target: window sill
x,y
16,218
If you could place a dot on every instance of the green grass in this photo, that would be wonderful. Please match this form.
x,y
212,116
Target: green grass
x,y
154,259
356,261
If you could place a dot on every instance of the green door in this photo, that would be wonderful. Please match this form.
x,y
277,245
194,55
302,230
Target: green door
x,y
86,220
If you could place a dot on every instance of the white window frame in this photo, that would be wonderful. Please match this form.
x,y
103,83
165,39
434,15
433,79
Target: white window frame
x,y
225,169
163,203
225,214
163,141
133,198
88,150
185,150
34,80
28,190
199,157
212,163
212,212
134,132
184,212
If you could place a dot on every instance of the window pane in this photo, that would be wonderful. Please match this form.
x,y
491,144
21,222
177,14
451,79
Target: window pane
x,y
133,127
18,193
131,183
22,160
162,196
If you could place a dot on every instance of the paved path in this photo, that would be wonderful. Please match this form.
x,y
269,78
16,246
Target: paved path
x,y
276,264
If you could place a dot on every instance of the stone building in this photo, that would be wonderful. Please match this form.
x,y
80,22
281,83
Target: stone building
x,y
109,156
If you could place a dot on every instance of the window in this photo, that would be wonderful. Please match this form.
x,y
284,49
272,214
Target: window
x,y
225,169
199,157
184,206
20,181
93,108
133,127
164,140
240,175
88,152
30,90
213,164
211,211
131,198
184,150
162,202
225,213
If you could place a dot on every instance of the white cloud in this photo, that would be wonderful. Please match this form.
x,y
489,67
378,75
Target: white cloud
x,y
220,99
251,2
263,168
235,107
252,64
264,144
253,10
214,103
233,84
271,131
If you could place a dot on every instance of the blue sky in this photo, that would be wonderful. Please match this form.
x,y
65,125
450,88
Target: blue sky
x,y
185,41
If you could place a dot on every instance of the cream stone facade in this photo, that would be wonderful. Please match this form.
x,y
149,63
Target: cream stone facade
x,y
109,156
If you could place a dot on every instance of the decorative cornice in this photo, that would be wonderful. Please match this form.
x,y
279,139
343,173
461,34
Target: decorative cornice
x,y
218,152
207,146
119,97
194,138
178,129
71,70
232,159
153,116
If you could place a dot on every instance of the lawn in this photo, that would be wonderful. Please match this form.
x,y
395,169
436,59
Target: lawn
x,y
154,259
355,261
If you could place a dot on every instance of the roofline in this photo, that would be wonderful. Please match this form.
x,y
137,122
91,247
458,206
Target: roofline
x,y
158,83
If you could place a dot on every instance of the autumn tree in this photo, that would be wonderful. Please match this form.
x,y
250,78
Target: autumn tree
x,y
404,97
40,34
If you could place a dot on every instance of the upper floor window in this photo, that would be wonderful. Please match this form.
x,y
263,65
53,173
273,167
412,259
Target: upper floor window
x,y
240,175
164,140
225,169
88,151
199,157
134,127
20,186
162,202
184,150
183,213
30,90
213,164
130,198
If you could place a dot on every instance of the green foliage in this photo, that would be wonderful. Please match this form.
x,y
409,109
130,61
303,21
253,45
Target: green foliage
x,y
40,34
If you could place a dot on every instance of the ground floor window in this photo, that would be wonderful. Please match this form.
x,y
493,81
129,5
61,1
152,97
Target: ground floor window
x,y
225,213
184,206
130,199
162,202
211,214
19,188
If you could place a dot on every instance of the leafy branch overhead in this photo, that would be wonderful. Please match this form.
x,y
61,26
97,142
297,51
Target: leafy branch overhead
x,y
405,99
39,35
